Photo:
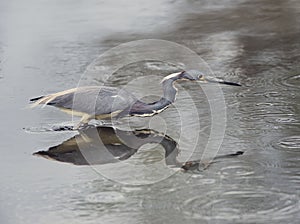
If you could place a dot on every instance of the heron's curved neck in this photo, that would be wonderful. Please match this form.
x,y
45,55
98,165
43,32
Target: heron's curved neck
x,y
148,109
170,90
168,97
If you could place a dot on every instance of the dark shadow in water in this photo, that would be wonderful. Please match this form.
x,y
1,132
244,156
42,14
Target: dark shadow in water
x,y
103,145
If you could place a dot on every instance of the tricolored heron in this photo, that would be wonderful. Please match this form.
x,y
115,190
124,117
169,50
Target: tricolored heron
x,y
94,102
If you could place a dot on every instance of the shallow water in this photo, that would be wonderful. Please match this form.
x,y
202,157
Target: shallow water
x,y
45,46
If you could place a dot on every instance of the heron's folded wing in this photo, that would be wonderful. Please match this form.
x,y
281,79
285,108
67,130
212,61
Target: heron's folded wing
x,y
93,100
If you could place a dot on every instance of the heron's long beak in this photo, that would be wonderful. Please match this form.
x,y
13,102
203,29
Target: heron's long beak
x,y
220,81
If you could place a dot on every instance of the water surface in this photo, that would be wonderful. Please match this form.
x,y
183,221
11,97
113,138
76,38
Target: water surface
x,y
45,47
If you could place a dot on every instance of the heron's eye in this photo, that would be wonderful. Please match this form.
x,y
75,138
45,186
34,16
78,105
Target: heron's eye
x,y
200,76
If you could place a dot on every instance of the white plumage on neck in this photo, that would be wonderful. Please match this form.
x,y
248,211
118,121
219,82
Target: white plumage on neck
x,y
171,76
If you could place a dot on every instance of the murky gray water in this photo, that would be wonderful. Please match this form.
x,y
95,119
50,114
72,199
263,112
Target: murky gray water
x,y
45,47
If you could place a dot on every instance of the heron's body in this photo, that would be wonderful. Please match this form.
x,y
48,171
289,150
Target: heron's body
x,y
102,102
90,100
94,102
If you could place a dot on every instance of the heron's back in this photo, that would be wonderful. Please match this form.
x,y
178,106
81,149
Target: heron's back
x,y
92,100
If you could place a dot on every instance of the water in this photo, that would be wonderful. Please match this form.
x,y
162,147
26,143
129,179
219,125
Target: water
x,y
45,46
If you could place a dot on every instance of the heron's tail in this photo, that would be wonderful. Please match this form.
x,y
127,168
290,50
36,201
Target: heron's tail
x,y
36,101
48,100
36,98
40,100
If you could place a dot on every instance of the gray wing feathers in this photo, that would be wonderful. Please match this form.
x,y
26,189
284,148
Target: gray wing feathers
x,y
92,100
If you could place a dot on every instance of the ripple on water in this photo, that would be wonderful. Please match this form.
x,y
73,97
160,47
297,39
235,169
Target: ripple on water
x,y
162,66
63,126
257,116
292,81
238,169
108,197
284,120
291,143
252,111
256,204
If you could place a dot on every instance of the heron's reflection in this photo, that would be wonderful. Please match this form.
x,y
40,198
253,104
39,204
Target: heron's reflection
x,y
102,145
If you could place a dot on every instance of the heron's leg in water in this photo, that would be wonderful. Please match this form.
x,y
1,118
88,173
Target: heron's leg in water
x,y
83,122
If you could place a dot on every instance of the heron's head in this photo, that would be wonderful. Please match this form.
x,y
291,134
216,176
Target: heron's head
x,y
194,75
